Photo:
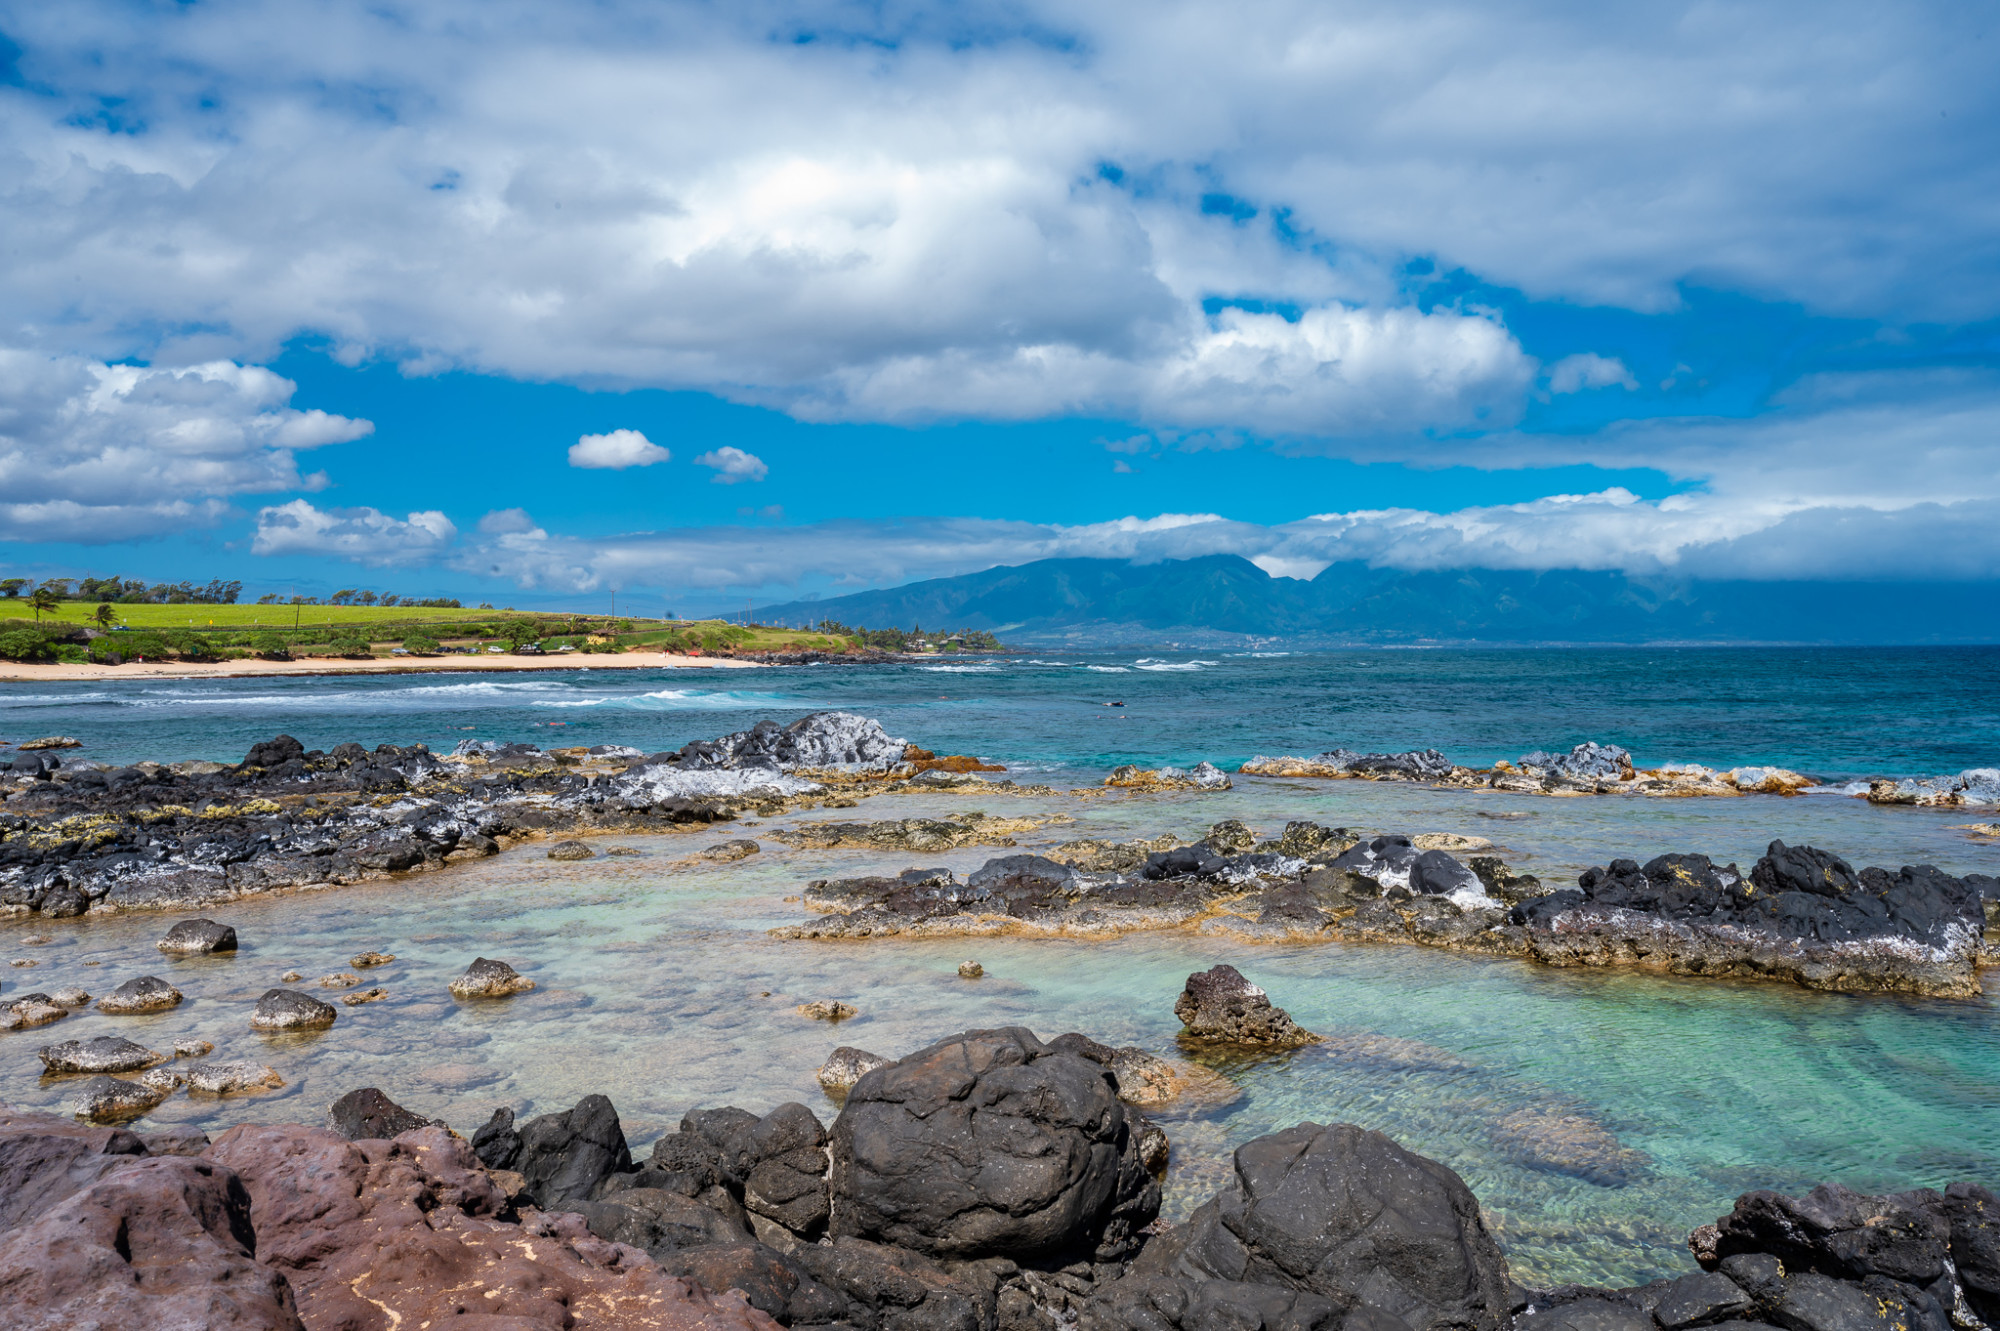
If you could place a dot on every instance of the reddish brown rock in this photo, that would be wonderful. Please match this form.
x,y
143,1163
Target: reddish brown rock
x,y
161,1242
407,1232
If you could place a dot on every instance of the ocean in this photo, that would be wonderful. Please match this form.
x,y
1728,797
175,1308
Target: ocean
x,y
659,986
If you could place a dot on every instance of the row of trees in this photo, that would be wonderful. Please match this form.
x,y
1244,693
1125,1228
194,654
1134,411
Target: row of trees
x,y
349,596
125,591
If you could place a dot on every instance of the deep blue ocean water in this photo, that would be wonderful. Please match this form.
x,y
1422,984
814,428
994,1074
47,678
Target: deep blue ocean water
x,y
1825,711
659,986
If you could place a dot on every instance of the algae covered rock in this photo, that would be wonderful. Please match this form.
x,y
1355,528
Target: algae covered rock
x,y
1220,1006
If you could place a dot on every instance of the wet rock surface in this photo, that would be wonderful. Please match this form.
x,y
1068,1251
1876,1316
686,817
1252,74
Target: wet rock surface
x,y
290,1010
147,993
198,937
487,978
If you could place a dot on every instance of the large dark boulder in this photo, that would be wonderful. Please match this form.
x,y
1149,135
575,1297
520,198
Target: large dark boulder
x,y
990,1143
1391,1239
565,1156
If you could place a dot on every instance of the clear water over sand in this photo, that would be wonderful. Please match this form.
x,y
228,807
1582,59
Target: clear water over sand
x,y
659,987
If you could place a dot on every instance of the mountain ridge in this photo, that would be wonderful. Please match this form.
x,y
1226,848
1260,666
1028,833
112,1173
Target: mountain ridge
x,y
1225,600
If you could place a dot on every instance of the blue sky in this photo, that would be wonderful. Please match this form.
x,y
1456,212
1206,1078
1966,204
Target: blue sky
x,y
835,296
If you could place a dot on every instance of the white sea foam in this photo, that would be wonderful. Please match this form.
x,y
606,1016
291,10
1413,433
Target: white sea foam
x,y
1110,670
1150,664
962,670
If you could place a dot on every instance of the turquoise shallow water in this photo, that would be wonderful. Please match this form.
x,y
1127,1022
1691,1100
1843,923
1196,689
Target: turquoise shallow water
x,y
659,987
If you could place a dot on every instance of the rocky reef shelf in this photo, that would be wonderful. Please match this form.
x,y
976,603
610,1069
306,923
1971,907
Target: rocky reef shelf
x,y
1800,914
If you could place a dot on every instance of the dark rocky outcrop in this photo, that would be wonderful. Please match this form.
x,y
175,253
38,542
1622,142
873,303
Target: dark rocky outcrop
x,y
169,838
1390,1239
1219,1006
990,1143
368,1114
1801,915
565,1156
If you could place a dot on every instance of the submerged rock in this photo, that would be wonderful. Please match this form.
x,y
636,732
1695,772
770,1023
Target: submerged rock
x,y
229,1078
196,937
290,1010
28,1011
827,1009
486,978
728,851
1219,1006
145,994
571,850
105,1053
111,1100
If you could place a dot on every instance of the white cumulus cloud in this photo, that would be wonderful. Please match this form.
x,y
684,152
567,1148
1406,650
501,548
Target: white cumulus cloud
x,y
97,452
361,535
895,212
616,451
732,465
1573,374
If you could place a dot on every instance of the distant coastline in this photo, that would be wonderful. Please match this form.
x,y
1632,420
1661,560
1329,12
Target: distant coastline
x,y
17,672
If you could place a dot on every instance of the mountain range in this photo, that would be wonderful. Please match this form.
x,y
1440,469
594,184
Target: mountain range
x,y
1225,600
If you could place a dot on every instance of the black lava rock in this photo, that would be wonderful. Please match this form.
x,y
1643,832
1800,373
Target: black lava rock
x,y
990,1143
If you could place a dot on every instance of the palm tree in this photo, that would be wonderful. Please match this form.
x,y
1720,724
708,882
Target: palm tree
x,y
105,614
43,600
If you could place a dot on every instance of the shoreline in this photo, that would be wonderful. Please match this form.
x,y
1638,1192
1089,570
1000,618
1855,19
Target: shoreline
x,y
16,672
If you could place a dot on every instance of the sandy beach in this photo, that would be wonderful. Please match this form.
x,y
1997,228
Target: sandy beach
x,y
16,672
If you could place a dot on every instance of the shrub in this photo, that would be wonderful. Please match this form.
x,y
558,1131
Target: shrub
x,y
70,653
270,646
351,646
421,644
149,645
189,645
25,645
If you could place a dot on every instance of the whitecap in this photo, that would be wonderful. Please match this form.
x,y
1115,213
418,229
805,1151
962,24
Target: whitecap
x,y
962,670
1110,670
